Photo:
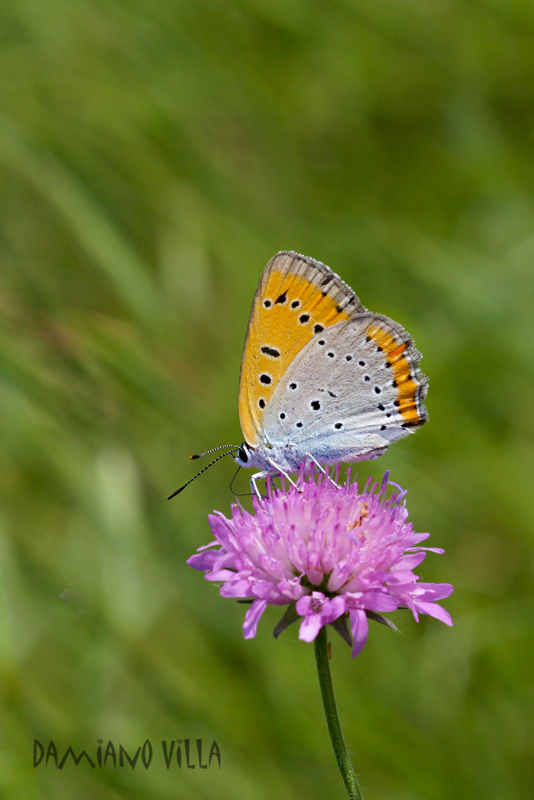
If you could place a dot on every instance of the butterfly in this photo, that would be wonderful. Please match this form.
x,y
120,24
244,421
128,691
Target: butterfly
x,y
322,378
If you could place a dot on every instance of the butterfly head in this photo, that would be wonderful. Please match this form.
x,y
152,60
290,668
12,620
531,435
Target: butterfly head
x,y
268,457
244,455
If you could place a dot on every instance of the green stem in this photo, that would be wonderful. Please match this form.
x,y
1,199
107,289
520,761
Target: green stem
x,y
334,728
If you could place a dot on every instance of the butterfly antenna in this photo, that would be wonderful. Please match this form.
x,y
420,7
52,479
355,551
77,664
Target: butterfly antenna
x,y
201,471
213,449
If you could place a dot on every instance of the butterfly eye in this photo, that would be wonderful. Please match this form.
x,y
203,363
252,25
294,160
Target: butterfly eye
x,y
243,455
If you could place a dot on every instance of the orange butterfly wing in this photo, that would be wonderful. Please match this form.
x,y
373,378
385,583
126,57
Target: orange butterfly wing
x,y
297,298
403,359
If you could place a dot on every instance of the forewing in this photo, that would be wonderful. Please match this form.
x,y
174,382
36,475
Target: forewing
x,y
297,300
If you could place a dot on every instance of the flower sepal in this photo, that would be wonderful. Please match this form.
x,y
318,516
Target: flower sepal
x,y
291,615
341,625
380,618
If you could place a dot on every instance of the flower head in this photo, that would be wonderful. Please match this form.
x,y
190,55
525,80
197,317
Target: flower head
x,y
332,553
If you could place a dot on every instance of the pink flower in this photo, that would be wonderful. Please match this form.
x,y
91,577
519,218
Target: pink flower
x,y
332,554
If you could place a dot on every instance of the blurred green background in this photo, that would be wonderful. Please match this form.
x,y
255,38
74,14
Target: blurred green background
x,y
153,157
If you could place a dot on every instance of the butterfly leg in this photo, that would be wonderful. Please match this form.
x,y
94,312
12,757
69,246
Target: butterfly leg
x,y
322,469
281,471
254,486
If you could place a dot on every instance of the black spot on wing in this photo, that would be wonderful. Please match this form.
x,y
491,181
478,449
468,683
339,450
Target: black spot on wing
x,y
270,351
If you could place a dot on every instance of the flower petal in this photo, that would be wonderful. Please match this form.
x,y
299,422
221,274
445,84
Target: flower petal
x,y
409,562
221,575
203,561
434,610
333,609
360,629
252,617
379,601
310,627
239,587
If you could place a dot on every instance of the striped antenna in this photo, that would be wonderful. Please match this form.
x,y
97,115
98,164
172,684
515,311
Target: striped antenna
x,y
213,449
202,470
